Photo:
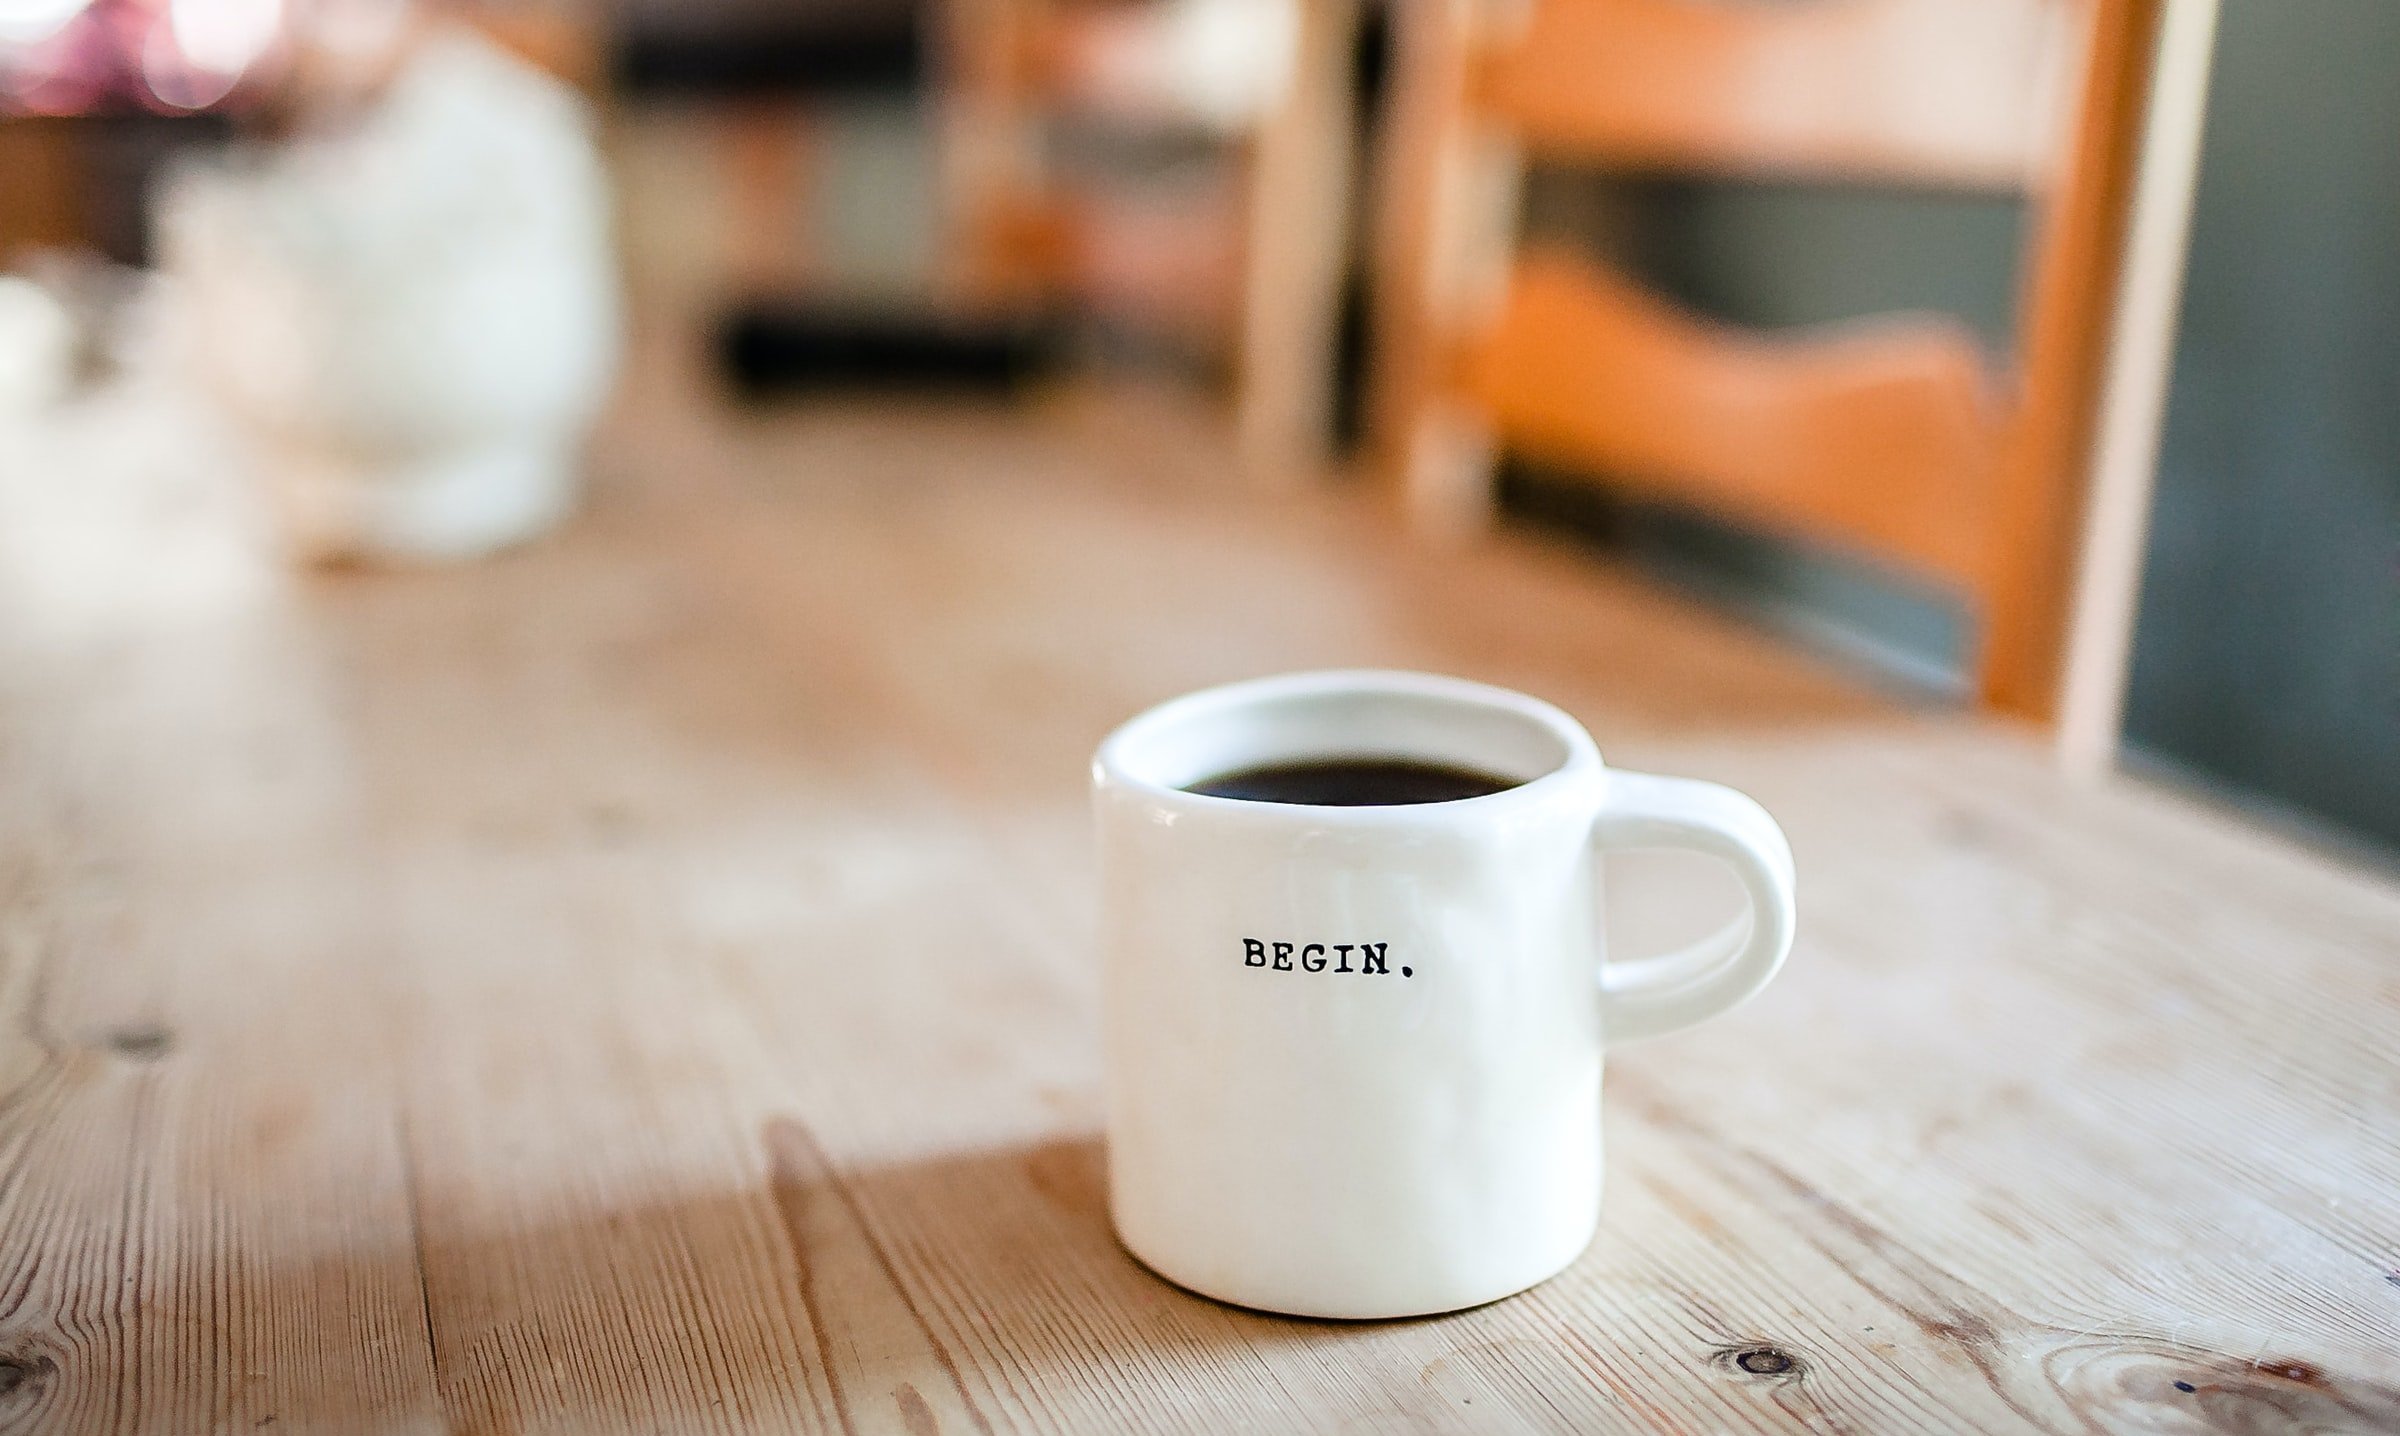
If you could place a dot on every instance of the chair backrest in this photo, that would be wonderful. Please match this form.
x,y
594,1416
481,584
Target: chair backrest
x,y
1896,438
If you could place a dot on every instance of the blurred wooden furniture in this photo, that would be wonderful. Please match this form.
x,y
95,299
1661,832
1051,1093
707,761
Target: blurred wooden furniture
x,y
568,40
1897,439
645,984
1264,262
2098,657
41,176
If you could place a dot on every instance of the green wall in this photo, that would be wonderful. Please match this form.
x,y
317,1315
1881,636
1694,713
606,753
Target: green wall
x,y
2268,654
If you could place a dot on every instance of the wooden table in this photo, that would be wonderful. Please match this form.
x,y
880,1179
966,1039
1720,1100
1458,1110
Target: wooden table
x,y
645,983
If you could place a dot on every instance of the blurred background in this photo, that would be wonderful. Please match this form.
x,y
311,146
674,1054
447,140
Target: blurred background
x,y
395,256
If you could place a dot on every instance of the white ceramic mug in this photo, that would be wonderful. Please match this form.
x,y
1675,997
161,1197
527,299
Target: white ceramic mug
x,y
1410,1125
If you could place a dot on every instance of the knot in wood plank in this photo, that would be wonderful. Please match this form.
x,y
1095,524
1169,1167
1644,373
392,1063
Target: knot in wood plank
x,y
139,1041
1763,1359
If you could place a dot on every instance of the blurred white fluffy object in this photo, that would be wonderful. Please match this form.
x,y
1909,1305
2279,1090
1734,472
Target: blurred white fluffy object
x,y
413,316
37,347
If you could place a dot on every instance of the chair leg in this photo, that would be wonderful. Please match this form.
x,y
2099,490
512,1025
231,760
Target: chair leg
x,y
993,179
1444,233
2133,396
1299,210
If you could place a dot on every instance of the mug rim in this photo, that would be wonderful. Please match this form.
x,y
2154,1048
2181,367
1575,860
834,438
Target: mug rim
x,y
1581,764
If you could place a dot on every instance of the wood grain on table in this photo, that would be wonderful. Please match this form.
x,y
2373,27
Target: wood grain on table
x,y
645,983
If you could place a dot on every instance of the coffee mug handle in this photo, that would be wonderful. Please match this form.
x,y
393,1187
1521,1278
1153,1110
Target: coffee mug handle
x,y
1652,995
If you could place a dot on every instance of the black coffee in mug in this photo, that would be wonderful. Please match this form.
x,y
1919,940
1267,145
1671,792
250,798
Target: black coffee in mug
x,y
1353,783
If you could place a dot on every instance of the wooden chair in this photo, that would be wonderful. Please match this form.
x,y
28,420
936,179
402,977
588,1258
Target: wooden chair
x,y
1264,264
1897,439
